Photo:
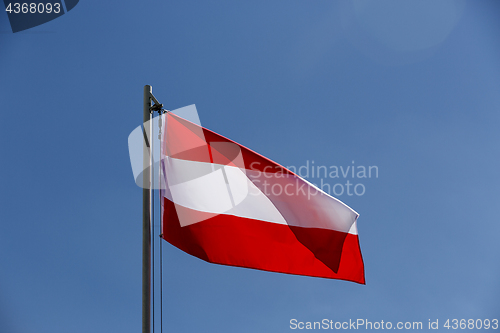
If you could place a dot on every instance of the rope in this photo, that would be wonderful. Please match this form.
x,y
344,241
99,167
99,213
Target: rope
x,y
161,283
161,233
160,220
152,217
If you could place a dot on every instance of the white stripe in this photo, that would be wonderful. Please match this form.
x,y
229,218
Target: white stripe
x,y
209,193
194,185
354,228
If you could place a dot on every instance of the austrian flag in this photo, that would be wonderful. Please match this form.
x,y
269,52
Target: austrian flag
x,y
226,204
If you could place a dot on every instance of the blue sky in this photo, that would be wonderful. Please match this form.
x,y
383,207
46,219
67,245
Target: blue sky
x,y
412,87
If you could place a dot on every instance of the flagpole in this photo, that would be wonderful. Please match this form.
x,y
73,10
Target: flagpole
x,y
146,216
147,194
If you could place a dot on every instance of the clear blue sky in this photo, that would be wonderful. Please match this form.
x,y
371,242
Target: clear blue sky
x,y
412,87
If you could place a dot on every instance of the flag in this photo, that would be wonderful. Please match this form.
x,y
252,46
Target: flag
x,y
226,204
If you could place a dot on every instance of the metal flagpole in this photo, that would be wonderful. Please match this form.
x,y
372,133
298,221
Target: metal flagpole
x,y
147,192
146,217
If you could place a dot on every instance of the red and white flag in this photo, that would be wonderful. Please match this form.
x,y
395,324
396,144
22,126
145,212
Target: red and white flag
x,y
226,204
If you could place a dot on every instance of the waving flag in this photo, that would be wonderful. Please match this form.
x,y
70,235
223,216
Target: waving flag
x,y
226,204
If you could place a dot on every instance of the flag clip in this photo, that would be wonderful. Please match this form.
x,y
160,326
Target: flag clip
x,y
156,107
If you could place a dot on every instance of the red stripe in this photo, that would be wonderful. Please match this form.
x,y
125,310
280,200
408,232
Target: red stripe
x,y
237,241
188,141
